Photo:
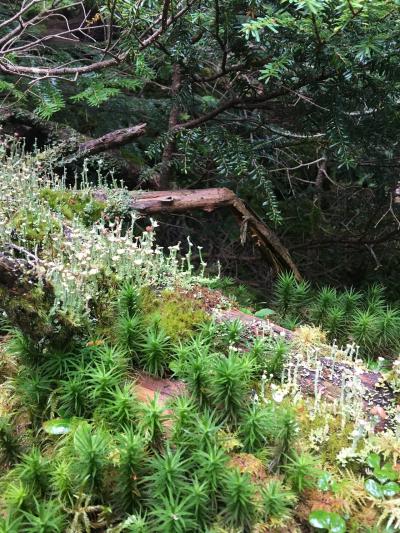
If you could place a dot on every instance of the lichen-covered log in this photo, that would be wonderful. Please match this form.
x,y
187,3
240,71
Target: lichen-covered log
x,y
378,398
29,299
185,200
26,299
71,147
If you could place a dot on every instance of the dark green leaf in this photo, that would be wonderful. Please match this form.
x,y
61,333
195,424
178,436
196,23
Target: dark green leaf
x,y
262,313
374,488
391,489
333,522
57,426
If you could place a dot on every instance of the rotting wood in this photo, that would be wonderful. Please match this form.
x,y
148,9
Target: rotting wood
x,y
111,140
378,397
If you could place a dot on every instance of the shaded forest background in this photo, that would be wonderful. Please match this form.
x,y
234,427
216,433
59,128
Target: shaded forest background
x,y
292,105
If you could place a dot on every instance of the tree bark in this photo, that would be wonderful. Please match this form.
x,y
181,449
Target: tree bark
x,y
208,200
168,152
109,141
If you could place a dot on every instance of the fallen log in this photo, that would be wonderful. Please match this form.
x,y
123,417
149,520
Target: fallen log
x,y
68,146
330,376
378,399
109,141
185,200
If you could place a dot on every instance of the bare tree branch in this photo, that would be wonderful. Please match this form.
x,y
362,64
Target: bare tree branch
x,y
10,41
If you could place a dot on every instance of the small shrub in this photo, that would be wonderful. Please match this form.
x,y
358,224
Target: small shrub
x,y
33,390
130,471
72,396
375,298
195,371
130,331
199,500
134,524
284,432
63,481
10,445
17,496
112,357
284,293
59,363
184,416
129,300
204,431
33,471
275,358
46,517
388,330
229,385
364,329
102,379
90,457
173,514
258,349
21,346
325,299
211,467
350,300
120,407
255,427
169,472
335,322
232,331
151,419
10,524
301,296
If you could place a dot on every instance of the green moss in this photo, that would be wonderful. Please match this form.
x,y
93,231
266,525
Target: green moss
x,y
32,311
71,205
176,313
149,301
338,437
33,227
29,311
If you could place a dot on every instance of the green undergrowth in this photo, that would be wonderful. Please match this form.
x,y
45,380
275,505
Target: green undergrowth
x,y
81,447
176,312
230,443
366,319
